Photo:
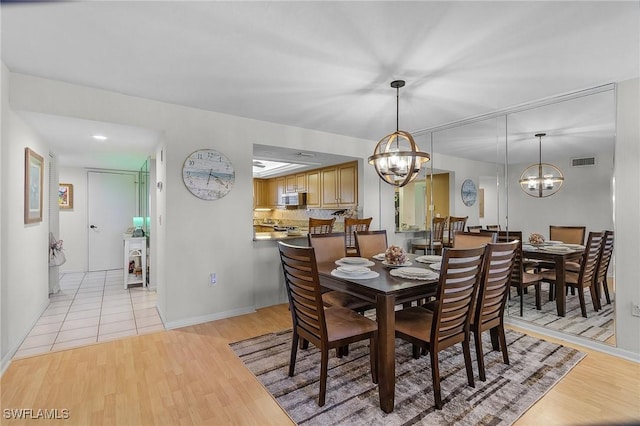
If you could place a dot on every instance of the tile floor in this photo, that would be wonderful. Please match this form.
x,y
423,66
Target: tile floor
x,y
92,307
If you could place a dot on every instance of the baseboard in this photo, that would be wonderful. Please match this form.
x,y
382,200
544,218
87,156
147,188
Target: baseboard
x,y
582,341
207,318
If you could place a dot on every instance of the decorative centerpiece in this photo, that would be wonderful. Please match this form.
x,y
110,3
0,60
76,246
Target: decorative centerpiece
x,y
536,239
395,255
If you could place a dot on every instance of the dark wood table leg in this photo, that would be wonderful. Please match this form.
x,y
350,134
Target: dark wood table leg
x,y
560,290
385,316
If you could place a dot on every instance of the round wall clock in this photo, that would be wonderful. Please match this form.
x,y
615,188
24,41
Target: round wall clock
x,y
208,174
469,193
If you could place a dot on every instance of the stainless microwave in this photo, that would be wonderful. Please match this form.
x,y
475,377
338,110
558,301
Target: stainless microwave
x,y
294,199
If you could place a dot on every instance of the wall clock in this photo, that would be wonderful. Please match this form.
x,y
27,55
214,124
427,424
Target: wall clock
x,y
469,193
208,174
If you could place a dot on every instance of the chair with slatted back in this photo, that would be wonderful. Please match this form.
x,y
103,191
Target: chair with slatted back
x,y
329,248
586,277
567,234
521,279
472,239
328,328
321,226
370,243
488,314
474,228
455,224
352,225
603,267
448,323
437,234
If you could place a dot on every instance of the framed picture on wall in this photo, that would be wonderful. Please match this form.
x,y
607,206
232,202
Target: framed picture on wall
x,y
33,175
65,196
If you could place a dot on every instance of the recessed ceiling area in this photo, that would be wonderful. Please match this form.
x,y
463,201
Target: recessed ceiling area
x,y
282,161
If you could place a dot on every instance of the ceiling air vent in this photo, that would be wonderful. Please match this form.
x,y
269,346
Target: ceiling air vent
x,y
582,162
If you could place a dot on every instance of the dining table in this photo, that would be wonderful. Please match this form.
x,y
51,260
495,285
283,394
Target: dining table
x,y
385,291
546,253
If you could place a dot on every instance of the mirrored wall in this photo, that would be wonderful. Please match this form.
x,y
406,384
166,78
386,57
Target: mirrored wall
x,y
493,151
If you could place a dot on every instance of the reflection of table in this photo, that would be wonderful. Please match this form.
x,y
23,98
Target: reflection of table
x,y
559,259
386,292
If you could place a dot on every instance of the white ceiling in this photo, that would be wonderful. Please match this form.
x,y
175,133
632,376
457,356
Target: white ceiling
x,y
319,65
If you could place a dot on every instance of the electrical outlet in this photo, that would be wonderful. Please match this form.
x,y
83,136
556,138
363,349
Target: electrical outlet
x,y
635,310
213,279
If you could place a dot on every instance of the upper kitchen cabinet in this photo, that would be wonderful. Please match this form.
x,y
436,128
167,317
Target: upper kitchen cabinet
x,y
276,187
296,183
339,186
260,193
313,189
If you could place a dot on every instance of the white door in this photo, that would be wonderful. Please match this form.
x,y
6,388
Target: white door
x,y
111,208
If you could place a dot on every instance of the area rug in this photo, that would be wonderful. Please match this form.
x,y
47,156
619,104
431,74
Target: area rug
x,y
598,326
352,399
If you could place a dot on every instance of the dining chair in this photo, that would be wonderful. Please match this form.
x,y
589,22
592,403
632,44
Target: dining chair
x,y
329,248
521,278
603,267
472,239
370,243
435,241
328,328
499,260
455,224
352,225
474,228
321,226
585,278
493,227
567,234
448,323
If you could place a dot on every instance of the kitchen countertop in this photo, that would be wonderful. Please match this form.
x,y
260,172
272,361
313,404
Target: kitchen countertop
x,y
277,236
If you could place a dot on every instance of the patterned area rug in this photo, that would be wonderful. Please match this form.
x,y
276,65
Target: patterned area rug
x,y
598,325
536,366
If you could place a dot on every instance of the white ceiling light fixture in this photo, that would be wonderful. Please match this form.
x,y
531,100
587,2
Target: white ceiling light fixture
x,y
100,137
397,159
542,179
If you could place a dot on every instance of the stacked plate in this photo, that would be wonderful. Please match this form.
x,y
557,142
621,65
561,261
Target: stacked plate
x,y
379,256
558,249
429,259
354,272
415,274
354,261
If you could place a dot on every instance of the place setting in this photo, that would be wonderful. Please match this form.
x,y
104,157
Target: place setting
x,y
420,274
354,271
429,259
354,261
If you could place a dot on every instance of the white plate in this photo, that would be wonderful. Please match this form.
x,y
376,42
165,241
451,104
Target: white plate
x,y
393,265
429,258
574,246
343,263
354,270
403,273
368,275
558,249
553,242
435,266
379,256
354,260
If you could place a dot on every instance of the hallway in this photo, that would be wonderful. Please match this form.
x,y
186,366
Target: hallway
x,y
92,307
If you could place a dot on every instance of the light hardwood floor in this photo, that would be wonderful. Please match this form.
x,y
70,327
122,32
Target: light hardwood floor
x,y
191,376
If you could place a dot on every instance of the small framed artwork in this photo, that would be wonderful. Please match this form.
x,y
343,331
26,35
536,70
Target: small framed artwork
x,y
65,196
33,175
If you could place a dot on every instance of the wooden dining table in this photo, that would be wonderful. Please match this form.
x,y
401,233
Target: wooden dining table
x,y
559,259
385,291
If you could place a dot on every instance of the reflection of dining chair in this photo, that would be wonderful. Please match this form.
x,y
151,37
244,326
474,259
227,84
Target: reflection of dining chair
x,y
521,279
448,323
455,224
437,234
474,228
321,226
488,314
603,267
370,243
329,248
586,277
352,225
327,329
493,227
567,234
472,239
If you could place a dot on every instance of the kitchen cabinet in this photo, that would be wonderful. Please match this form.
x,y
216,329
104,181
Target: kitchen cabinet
x,y
339,186
313,189
135,261
296,183
260,193
276,187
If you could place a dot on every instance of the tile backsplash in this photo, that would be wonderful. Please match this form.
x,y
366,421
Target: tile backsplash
x,y
296,217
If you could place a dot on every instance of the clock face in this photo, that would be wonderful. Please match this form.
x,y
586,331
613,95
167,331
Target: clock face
x,y
469,192
208,174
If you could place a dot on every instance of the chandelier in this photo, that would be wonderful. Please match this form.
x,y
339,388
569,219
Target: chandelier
x,y
397,159
542,179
